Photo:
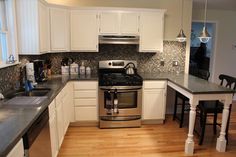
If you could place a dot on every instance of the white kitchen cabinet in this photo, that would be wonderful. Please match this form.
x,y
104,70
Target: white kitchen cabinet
x,y
129,23
84,30
154,97
119,23
32,26
53,128
151,31
59,29
68,106
86,100
60,118
17,150
109,23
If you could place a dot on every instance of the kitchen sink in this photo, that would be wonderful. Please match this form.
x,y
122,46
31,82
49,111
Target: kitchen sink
x,y
36,92
28,99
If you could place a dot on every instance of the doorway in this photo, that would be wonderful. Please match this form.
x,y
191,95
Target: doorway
x,y
207,57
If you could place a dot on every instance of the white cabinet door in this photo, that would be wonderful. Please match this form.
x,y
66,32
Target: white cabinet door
x,y
154,100
53,129
18,150
119,23
32,27
43,28
151,31
54,136
84,30
109,23
59,28
60,119
153,104
129,23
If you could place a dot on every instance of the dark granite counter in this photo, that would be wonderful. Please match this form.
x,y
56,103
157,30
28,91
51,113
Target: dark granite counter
x,y
190,83
16,120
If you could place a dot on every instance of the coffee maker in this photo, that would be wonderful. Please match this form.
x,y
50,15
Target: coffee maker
x,y
39,71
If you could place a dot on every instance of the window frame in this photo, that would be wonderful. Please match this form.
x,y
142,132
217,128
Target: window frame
x,y
11,34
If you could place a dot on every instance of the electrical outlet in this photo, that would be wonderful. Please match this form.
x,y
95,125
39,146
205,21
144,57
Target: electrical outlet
x,y
175,63
162,63
234,47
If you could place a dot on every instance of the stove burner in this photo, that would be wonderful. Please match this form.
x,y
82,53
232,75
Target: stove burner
x,y
120,79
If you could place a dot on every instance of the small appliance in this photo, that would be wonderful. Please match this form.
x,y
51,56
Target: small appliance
x,y
39,71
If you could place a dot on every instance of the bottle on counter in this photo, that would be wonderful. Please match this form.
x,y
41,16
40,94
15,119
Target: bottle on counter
x,y
82,69
88,70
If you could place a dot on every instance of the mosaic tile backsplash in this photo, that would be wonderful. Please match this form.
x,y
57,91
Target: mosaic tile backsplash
x,y
147,62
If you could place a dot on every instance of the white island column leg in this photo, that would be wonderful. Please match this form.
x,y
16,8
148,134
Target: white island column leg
x,y
189,143
221,141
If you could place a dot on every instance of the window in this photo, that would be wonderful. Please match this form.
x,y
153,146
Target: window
x,y
7,31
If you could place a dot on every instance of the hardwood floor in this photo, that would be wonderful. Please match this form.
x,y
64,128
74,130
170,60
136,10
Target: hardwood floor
x,y
165,140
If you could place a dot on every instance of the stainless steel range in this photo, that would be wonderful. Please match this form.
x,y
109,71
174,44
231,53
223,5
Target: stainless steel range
x,y
120,94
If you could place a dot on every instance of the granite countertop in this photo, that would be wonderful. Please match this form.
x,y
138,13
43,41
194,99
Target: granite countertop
x,y
190,83
15,120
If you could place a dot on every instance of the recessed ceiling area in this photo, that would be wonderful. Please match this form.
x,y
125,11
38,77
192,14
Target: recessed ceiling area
x,y
215,4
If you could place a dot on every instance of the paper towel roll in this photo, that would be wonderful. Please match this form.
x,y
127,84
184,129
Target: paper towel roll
x,y
30,72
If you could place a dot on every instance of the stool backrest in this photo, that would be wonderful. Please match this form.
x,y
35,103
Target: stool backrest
x,y
228,81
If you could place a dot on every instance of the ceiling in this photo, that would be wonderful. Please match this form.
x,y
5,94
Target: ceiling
x,y
215,4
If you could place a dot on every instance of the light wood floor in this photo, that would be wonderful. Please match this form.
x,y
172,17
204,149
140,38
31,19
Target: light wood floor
x,y
148,141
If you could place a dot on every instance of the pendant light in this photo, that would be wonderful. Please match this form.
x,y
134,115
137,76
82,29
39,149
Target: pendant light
x,y
181,36
204,35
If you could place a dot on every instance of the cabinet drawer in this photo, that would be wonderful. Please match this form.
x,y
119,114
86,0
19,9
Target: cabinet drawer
x,y
154,84
85,94
85,102
86,113
85,85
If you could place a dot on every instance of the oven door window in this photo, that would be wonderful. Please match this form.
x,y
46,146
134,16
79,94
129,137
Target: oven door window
x,y
127,99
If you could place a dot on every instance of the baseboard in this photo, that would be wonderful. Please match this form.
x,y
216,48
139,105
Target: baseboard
x,y
84,123
152,121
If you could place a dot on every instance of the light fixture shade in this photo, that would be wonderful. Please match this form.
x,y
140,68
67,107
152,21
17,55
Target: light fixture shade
x,y
181,36
204,36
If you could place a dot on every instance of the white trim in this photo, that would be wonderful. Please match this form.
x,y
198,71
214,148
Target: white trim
x,y
4,65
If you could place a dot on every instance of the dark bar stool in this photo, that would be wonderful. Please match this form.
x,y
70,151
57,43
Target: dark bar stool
x,y
213,108
184,100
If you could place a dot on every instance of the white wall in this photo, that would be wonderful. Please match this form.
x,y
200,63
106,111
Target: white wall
x,y
172,16
225,55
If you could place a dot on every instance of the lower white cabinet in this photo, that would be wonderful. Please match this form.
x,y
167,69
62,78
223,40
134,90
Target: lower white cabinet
x,y
154,97
86,100
60,118
18,150
53,129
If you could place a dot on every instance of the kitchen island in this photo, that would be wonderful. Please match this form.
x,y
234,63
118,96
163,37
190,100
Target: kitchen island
x,y
16,120
196,90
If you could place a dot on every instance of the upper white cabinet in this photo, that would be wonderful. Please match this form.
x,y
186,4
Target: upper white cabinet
x,y
119,23
151,31
32,26
59,29
129,23
84,30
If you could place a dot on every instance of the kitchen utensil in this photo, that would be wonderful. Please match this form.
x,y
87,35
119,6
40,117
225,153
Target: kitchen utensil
x,y
128,69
